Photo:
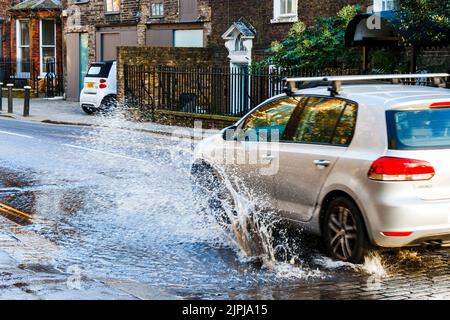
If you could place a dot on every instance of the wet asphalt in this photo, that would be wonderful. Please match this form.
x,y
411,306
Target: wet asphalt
x,y
114,208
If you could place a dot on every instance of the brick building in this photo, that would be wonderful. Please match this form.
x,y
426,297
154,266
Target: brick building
x,y
93,30
267,21
31,37
235,30
174,23
4,6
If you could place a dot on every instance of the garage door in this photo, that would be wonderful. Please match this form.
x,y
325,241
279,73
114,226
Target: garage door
x,y
109,44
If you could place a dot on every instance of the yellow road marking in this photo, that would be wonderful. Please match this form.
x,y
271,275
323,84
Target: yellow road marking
x,y
15,215
7,208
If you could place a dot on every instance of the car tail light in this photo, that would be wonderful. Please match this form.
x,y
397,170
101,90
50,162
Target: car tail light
x,y
440,105
397,234
103,85
102,80
399,169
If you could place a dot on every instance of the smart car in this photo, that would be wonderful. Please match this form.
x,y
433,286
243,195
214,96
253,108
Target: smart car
x,y
100,87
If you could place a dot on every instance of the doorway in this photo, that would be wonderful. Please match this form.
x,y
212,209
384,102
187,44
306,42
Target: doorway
x,y
84,58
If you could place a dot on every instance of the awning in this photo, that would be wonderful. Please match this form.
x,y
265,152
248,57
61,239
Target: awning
x,y
382,29
37,5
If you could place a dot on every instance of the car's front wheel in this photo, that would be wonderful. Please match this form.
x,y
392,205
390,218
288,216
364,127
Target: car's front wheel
x,y
344,231
209,187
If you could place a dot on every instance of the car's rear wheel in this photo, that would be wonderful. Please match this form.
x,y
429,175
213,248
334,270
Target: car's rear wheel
x,y
344,231
109,103
88,110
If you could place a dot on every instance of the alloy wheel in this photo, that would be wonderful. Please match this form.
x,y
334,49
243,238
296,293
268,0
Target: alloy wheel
x,y
343,232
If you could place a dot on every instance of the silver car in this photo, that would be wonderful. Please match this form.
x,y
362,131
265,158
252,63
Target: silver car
x,y
368,164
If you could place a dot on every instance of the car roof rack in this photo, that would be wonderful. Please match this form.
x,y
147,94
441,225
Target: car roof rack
x,y
335,82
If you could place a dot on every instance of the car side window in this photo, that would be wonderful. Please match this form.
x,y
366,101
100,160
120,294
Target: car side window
x,y
346,126
325,121
262,124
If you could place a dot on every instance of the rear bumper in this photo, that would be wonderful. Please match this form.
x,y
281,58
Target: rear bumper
x,y
90,100
426,221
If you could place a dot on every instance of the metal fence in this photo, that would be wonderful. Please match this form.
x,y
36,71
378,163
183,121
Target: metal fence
x,y
208,90
48,82
211,90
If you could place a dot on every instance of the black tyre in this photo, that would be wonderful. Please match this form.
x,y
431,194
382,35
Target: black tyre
x,y
109,103
211,190
344,231
88,110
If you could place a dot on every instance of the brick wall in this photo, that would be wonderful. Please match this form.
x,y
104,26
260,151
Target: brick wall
x,y
434,59
4,5
171,18
259,14
89,16
159,56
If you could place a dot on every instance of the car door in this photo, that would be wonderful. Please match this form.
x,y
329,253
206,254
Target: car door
x,y
252,159
316,137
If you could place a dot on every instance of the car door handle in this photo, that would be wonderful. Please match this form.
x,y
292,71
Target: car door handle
x,y
268,157
322,163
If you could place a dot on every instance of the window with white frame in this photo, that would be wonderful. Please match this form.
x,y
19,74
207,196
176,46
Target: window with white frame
x,y
384,5
285,11
23,47
47,45
157,9
112,6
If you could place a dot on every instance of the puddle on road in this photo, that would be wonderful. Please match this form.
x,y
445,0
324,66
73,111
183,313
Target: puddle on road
x,y
126,219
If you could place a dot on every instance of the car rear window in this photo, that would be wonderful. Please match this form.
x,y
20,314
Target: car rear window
x,y
419,129
99,70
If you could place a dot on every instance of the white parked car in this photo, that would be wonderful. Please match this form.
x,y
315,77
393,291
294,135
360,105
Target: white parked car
x,y
365,165
100,87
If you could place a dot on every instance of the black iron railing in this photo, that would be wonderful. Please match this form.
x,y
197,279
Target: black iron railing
x,y
211,90
48,82
207,90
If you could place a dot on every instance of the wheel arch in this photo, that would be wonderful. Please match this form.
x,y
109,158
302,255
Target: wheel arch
x,y
330,196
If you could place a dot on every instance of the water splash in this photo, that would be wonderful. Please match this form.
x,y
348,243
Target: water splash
x,y
374,265
258,234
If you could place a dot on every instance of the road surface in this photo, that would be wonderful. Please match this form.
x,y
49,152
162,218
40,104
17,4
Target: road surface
x,y
108,213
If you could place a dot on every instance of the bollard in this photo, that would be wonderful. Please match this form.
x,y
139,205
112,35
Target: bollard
x,y
10,97
1,96
26,103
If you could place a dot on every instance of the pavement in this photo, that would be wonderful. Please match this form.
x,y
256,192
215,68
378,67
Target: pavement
x,y
59,111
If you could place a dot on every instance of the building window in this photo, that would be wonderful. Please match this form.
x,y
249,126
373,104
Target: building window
x,y
112,6
285,11
157,9
188,38
23,47
48,46
286,7
384,5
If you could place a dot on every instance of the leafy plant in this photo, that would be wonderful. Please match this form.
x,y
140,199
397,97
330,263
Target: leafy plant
x,y
318,46
424,21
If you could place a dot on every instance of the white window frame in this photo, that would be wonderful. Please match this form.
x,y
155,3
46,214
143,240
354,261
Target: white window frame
x,y
382,5
112,4
19,46
198,34
279,17
161,7
41,46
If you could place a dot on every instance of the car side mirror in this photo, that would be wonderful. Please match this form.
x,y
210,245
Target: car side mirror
x,y
229,133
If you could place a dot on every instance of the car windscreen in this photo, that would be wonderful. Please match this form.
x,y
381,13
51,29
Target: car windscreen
x,y
99,70
419,129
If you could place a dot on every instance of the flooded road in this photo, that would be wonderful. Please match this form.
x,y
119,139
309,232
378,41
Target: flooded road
x,y
117,206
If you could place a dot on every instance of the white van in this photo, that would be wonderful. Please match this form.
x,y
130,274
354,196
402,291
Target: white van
x,y
100,87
